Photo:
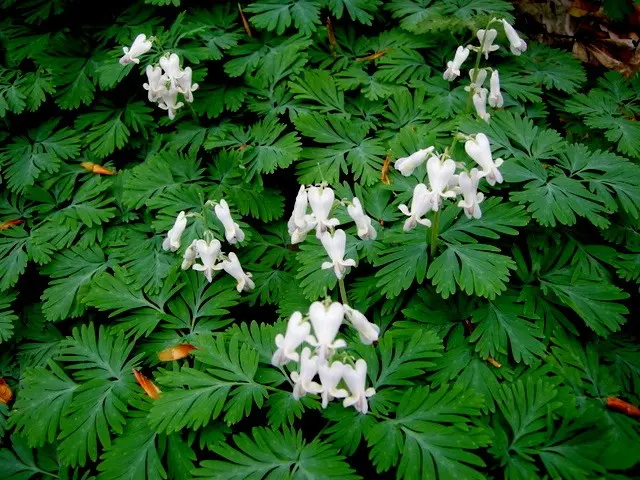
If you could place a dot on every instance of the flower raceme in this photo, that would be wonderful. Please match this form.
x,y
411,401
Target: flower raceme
x,y
445,184
343,378
209,249
486,38
165,80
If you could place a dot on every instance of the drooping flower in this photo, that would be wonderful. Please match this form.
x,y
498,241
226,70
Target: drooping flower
x,y
171,66
362,220
300,222
321,201
406,165
326,323
156,83
303,380
480,77
453,67
330,377
335,246
356,379
297,331
480,103
189,257
516,44
420,204
495,96
232,267
486,39
185,86
169,102
139,47
208,253
172,242
468,185
441,179
479,150
232,231
368,331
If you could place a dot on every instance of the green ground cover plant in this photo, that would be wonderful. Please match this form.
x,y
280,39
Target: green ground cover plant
x,y
313,239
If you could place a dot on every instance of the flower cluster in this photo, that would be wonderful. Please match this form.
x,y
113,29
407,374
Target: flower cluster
x,y
209,249
445,183
165,80
321,200
481,95
332,368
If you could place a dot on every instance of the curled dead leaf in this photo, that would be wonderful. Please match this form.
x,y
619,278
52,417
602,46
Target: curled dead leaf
x,y
622,406
5,392
175,353
245,24
384,174
331,34
99,169
373,56
147,385
10,223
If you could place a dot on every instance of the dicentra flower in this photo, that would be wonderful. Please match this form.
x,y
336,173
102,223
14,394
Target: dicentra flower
x,y
232,267
321,201
330,377
172,242
468,185
356,379
139,47
479,150
303,380
495,96
486,39
232,231
421,203
362,221
453,67
368,331
516,44
441,179
297,331
335,246
406,165
208,254
326,322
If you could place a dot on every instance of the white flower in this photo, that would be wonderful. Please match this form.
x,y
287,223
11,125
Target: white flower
x,y
321,201
363,222
172,242
453,68
441,178
368,331
495,97
232,267
406,165
140,46
468,185
326,323
185,86
171,67
300,223
480,151
156,83
232,231
517,45
486,38
420,204
335,246
189,257
304,379
330,376
297,332
169,102
480,78
356,378
480,102
208,253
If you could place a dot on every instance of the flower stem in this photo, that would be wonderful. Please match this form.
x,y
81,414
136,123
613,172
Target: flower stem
x,y
434,232
343,292
476,68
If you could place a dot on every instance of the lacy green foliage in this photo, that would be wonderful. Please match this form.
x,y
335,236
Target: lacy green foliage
x,y
499,344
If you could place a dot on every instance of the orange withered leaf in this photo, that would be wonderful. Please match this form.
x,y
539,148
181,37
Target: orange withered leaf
x,y
99,169
245,24
5,392
175,353
331,34
494,362
384,174
147,385
373,56
10,223
622,406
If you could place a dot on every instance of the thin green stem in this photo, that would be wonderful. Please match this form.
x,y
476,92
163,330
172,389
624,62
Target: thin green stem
x,y
343,292
434,232
193,112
